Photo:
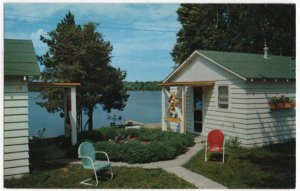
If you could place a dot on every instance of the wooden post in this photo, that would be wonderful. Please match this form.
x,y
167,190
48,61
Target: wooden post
x,y
73,115
163,109
183,123
66,92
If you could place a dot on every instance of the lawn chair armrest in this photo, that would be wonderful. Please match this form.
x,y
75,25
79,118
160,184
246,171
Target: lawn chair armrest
x,y
87,157
104,154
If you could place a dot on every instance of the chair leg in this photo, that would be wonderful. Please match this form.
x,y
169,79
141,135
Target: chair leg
x,y
96,177
223,157
111,173
205,151
224,151
85,182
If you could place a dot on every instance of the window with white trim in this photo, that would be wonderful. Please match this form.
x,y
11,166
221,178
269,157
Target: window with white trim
x,y
223,97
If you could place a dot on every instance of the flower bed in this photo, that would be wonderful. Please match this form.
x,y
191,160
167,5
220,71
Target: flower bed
x,y
137,145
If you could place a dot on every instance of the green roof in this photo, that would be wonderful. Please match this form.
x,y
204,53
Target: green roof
x,y
20,58
254,65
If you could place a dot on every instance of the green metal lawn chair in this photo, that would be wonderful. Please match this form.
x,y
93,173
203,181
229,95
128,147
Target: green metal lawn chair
x,y
87,153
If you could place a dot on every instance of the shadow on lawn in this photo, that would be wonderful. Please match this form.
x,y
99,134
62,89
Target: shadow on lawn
x,y
42,152
218,157
282,156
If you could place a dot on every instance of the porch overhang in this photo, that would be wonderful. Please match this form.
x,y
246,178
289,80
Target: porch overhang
x,y
70,107
191,83
54,84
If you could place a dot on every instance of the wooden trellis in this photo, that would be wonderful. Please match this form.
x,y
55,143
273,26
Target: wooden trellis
x,y
175,111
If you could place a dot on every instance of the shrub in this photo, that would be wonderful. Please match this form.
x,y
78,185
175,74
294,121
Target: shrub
x,y
93,136
160,145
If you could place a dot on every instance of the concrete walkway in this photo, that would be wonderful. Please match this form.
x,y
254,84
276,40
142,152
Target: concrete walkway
x,y
175,166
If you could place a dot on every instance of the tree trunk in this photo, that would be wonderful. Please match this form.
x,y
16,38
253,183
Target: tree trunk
x,y
90,115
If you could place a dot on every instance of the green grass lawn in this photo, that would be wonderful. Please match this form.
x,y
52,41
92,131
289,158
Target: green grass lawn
x,y
272,166
69,176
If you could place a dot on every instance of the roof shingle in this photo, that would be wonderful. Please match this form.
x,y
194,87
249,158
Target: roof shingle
x,y
254,65
20,58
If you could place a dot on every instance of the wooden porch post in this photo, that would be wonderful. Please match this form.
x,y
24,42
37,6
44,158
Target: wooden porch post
x,y
183,121
66,92
73,116
163,109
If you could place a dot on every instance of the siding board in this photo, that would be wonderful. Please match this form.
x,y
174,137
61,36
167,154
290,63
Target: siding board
x,y
16,156
16,171
15,148
16,141
16,103
15,126
16,163
16,133
15,88
15,111
15,118
16,96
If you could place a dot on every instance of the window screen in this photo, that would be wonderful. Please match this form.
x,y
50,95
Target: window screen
x,y
223,97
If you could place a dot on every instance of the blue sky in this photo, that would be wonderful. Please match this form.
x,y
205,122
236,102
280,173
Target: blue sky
x,y
142,35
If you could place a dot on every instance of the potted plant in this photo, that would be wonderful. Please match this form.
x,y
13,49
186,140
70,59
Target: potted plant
x,y
281,102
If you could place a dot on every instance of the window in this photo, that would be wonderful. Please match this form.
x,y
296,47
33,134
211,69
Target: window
x,y
223,97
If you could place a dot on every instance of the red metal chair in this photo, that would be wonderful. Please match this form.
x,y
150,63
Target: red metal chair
x,y
215,142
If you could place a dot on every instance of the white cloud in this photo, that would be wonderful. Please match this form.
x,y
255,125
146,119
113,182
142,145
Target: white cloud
x,y
32,12
39,46
84,11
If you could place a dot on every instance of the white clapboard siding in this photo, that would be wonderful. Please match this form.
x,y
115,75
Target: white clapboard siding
x,y
16,163
16,156
16,133
265,125
16,111
265,140
15,88
15,118
232,120
16,96
249,116
245,128
190,109
15,103
16,171
16,148
16,141
15,127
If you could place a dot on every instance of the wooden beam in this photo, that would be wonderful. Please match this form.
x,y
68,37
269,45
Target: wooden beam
x,y
54,84
193,83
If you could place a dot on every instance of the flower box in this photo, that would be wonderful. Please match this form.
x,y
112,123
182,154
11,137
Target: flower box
x,y
282,102
276,106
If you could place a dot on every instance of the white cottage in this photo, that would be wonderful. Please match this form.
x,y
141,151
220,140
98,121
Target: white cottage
x,y
231,92
19,62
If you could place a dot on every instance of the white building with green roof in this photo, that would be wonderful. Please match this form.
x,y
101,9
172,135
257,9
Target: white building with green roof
x,y
19,62
231,92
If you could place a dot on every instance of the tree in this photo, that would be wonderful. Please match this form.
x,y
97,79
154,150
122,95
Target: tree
x,y
80,54
235,28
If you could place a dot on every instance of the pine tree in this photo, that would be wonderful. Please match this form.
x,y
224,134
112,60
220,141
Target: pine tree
x,y
80,54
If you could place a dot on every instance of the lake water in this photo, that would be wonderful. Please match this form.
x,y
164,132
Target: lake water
x,y
142,106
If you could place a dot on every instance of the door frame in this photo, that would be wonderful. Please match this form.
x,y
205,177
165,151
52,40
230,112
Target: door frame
x,y
202,107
